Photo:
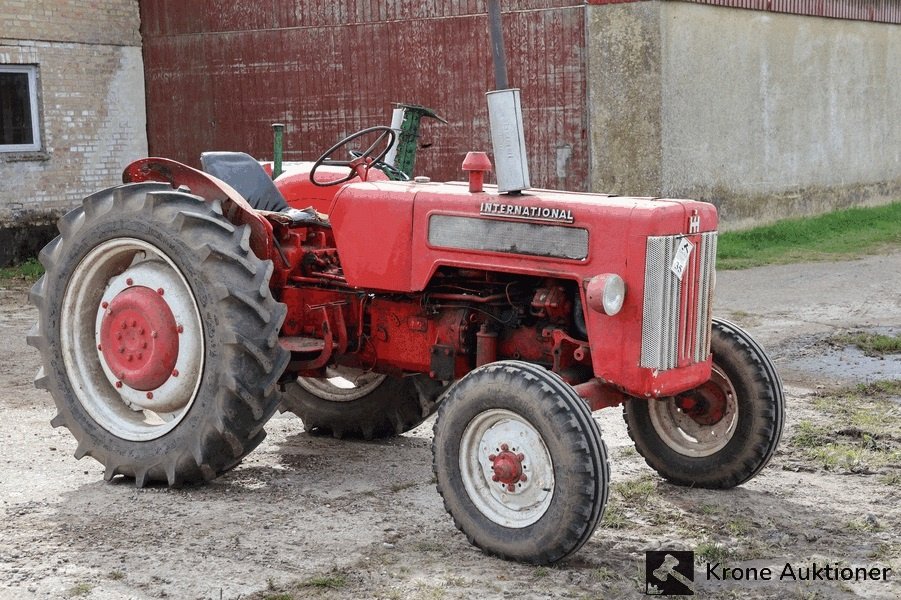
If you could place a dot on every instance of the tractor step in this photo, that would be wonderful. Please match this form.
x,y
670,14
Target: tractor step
x,y
304,345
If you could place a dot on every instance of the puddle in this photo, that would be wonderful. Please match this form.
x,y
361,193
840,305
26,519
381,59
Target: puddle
x,y
818,358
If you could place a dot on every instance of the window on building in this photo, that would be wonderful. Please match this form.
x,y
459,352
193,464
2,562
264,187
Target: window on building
x,y
19,122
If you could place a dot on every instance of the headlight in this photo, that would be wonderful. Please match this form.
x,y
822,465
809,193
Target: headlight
x,y
606,293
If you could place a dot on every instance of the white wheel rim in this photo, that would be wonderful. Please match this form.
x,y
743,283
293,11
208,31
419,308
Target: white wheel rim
x,y
342,384
128,413
485,437
684,434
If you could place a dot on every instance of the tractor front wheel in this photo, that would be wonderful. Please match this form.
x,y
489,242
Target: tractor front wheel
x,y
351,402
520,463
720,434
158,335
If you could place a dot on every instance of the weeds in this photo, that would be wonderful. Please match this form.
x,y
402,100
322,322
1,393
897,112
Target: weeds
x,y
871,344
30,270
636,491
80,589
333,581
712,552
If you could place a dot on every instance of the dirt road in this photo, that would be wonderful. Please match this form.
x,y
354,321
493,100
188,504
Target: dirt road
x,y
313,517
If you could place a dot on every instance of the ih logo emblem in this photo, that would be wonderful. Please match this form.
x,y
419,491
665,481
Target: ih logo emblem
x,y
669,573
694,223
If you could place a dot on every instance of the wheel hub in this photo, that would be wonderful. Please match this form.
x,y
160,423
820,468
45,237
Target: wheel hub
x,y
700,422
706,404
139,338
508,468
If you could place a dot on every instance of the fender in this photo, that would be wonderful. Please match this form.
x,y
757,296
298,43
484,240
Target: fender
x,y
234,207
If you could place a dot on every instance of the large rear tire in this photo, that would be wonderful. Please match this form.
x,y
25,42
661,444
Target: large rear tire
x,y
520,463
361,404
722,433
158,335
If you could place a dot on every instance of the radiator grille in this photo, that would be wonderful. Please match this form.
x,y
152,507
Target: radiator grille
x,y
676,325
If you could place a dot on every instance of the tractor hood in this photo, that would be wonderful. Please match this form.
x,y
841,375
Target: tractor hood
x,y
393,236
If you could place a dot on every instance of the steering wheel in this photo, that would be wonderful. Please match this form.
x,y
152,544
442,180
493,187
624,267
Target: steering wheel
x,y
393,173
359,165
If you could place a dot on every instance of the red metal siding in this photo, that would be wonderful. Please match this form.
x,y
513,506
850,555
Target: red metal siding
x,y
883,11
217,79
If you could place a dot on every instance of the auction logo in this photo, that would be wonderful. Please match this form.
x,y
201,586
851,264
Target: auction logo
x,y
669,573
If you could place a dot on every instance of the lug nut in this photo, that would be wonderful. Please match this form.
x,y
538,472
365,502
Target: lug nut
x,y
129,281
175,372
520,457
150,395
180,329
523,477
511,488
504,447
492,457
160,291
495,478
99,347
118,384
105,305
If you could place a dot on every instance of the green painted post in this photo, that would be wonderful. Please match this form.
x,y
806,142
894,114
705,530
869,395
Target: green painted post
x,y
278,130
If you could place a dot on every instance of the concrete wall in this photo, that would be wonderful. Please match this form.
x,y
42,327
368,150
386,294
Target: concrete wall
x,y
766,115
91,97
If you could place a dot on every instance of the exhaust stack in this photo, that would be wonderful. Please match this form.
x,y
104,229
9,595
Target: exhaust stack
x,y
505,116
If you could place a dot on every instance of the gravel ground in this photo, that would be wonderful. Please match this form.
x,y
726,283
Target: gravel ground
x,y
308,516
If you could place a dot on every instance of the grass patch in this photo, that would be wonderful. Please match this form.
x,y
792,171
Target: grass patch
x,y
80,589
871,344
864,429
30,270
614,516
333,581
893,479
808,435
636,491
711,552
839,235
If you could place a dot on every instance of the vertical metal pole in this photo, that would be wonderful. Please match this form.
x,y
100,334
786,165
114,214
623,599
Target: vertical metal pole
x,y
278,130
497,45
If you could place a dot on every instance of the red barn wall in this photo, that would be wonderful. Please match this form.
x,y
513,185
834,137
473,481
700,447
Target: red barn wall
x,y
216,79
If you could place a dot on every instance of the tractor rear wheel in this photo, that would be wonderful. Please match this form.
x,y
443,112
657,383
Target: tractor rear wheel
x,y
158,335
355,403
520,462
721,434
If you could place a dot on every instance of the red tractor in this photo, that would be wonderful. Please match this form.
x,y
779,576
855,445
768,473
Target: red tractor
x,y
179,310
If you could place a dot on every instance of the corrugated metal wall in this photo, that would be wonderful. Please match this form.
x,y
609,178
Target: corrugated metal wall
x,y
216,79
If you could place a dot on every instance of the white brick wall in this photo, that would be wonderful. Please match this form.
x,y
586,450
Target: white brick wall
x,y
91,93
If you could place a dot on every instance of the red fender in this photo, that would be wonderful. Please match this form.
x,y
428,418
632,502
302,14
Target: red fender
x,y
234,206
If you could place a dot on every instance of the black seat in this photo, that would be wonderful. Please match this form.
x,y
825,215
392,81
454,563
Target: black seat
x,y
246,175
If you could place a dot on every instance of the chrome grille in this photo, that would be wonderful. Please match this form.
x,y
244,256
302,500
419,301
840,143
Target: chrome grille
x,y
676,322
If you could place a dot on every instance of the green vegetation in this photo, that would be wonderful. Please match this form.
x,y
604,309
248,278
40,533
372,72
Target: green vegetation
x,y
80,589
332,581
838,235
872,344
30,270
712,552
864,431
636,491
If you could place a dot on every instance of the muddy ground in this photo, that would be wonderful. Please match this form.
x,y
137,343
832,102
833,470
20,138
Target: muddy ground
x,y
314,517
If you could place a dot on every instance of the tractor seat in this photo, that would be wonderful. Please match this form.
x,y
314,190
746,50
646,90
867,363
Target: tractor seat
x,y
246,175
